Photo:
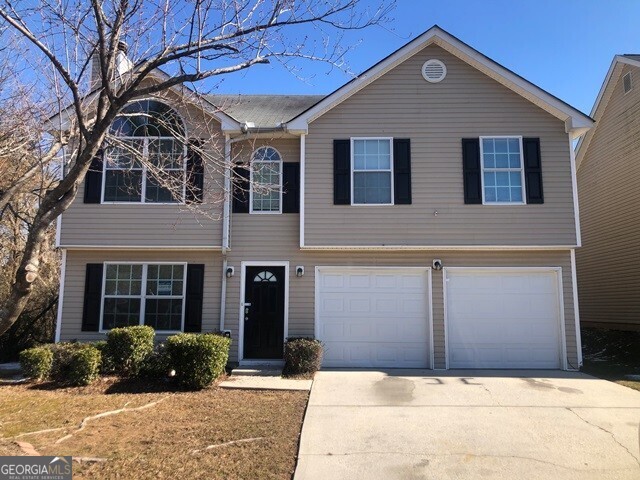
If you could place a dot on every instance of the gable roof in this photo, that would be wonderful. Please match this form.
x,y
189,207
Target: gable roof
x,y
264,111
576,122
604,95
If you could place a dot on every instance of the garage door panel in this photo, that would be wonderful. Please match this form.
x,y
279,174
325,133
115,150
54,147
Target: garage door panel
x,y
376,319
500,319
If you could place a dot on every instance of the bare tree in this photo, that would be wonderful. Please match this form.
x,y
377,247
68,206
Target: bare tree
x,y
189,40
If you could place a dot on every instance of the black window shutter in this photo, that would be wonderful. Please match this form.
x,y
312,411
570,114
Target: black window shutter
x,y
92,297
533,170
93,180
402,171
291,187
195,172
241,186
471,170
193,301
342,172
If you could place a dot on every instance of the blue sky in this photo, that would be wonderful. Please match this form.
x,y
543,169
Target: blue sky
x,y
563,46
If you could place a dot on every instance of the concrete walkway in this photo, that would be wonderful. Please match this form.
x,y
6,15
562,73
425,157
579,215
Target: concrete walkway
x,y
412,424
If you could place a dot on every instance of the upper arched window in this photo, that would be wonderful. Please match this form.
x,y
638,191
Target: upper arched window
x,y
145,159
266,181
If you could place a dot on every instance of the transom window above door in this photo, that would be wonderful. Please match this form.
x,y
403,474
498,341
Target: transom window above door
x,y
502,170
372,171
266,181
145,156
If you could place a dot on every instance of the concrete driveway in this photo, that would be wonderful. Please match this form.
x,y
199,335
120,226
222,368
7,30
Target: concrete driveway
x,y
414,424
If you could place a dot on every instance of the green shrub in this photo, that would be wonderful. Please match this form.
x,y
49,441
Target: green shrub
x,y
302,356
75,363
157,364
36,362
107,366
128,347
198,358
84,365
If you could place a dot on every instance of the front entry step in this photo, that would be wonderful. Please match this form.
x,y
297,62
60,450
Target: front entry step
x,y
257,371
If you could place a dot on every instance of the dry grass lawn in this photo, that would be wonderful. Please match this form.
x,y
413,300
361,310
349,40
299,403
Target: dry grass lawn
x,y
166,440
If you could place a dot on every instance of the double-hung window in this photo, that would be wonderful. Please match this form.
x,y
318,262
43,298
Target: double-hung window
x,y
372,171
266,181
145,160
150,294
502,170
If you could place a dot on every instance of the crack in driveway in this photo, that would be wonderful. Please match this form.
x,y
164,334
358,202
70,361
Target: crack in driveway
x,y
606,431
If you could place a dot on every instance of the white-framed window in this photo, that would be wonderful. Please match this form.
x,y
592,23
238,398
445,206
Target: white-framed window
x,y
145,160
150,294
371,171
266,181
502,170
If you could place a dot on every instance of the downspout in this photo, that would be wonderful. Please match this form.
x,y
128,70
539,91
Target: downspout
x,y
225,227
302,167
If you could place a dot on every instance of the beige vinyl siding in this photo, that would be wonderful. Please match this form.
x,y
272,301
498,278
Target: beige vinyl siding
x,y
275,238
608,264
149,225
436,117
77,261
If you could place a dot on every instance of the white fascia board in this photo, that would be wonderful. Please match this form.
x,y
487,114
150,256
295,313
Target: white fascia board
x,y
437,36
436,247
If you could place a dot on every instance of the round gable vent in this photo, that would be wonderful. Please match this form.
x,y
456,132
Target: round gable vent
x,y
434,71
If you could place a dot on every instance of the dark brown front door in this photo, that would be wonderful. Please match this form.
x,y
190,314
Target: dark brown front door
x,y
264,312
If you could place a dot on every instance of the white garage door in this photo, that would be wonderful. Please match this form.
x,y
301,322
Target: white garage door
x,y
503,319
373,317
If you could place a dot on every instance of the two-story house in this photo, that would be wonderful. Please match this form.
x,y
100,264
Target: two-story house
x,y
427,217
608,163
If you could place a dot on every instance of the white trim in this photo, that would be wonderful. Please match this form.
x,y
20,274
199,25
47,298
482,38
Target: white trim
x,y
352,171
436,247
63,274
143,247
576,307
243,270
143,296
445,322
350,268
251,184
223,293
507,170
303,153
435,35
561,305
58,230
604,95
226,223
574,191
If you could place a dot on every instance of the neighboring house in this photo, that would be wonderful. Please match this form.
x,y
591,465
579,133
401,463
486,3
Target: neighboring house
x,y
427,218
608,162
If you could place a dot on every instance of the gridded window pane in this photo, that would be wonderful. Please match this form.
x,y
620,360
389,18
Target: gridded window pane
x,y
123,185
165,189
120,312
163,314
372,187
165,153
372,171
502,175
165,280
123,280
266,186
